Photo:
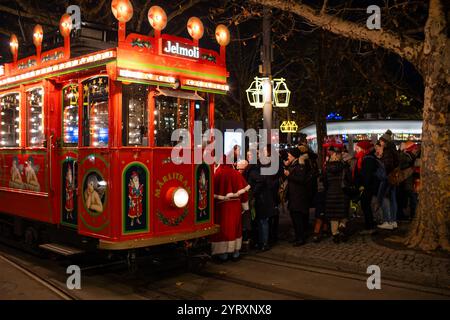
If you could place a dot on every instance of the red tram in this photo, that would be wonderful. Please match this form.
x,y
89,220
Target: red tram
x,y
85,142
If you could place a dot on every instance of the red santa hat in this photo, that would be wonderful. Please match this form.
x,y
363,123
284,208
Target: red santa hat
x,y
134,174
365,144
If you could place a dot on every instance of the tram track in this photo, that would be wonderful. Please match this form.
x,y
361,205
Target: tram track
x,y
170,280
47,283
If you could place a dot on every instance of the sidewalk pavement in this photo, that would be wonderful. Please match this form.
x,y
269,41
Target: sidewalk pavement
x,y
397,262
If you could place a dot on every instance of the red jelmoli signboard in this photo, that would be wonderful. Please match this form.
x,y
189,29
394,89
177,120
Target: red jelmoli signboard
x,y
179,49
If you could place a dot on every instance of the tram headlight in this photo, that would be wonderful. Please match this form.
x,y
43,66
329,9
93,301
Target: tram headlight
x,y
179,197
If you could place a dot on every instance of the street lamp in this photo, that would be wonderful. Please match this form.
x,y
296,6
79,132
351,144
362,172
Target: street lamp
x,y
255,94
262,90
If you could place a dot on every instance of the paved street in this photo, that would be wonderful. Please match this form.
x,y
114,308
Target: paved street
x,y
315,271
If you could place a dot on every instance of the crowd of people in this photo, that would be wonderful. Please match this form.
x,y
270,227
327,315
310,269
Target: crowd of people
x,y
379,179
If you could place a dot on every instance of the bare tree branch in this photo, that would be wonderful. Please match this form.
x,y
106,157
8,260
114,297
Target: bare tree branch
x,y
405,47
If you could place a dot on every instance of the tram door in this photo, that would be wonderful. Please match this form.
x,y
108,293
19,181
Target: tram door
x,y
68,154
94,160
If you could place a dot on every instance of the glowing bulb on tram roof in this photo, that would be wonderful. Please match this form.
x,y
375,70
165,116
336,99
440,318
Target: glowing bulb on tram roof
x,y
157,18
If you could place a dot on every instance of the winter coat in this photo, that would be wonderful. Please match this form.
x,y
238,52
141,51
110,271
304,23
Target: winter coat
x,y
265,193
407,160
299,187
390,157
337,177
367,177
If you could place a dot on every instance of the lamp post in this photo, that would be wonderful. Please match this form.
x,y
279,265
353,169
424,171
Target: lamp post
x,y
266,56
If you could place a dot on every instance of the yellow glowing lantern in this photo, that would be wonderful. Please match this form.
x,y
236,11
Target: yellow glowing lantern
x,y
14,45
157,18
195,28
65,25
38,35
122,10
222,35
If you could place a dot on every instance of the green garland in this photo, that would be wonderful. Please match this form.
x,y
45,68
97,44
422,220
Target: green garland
x,y
172,222
209,57
137,42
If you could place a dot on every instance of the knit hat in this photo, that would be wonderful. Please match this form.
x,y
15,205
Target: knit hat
x,y
365,144
387,136
295,152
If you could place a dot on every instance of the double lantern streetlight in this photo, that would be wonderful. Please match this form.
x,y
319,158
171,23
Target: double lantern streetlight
x,y
258,93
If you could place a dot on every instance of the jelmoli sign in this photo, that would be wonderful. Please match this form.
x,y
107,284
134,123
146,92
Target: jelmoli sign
x,y
174,48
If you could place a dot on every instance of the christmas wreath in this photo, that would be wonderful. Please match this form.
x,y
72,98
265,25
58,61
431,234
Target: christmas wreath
x,y
173,221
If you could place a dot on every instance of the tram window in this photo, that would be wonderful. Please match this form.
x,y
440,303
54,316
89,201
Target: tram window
x,y
170,114
10,120
135,115
70,115
202,112
35,117
95,112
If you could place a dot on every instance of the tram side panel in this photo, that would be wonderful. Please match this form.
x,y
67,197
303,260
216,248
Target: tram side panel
x,y
133,204
96,189
24,184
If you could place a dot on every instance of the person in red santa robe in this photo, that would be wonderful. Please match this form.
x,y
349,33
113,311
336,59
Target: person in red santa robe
x,y
231,200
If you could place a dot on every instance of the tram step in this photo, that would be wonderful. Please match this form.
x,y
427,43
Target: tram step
x,y
60,249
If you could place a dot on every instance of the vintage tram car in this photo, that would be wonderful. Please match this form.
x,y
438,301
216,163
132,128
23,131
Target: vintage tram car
x,y
85,142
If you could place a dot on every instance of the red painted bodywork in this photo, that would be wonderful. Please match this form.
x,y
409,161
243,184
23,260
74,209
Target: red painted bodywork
x,y
46,204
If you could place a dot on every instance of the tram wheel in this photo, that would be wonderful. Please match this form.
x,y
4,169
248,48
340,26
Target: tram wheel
x,y
131,261
6,231
31,237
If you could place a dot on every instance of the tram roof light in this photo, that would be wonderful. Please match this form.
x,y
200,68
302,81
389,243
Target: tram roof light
x,y
65,25
157,18
195,28
38,35
122,10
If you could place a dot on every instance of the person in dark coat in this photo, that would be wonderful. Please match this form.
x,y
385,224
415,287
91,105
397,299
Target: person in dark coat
x,y
311,162
405,194
298,193
364,178
337,203
252,236
265,194
242,167
391,162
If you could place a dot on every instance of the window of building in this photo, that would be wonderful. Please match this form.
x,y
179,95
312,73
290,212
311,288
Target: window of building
x,y
135,115
95,112
70,115
170,114
35,117
10,120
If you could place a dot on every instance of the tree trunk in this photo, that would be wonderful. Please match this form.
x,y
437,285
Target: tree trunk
x,y
430,229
